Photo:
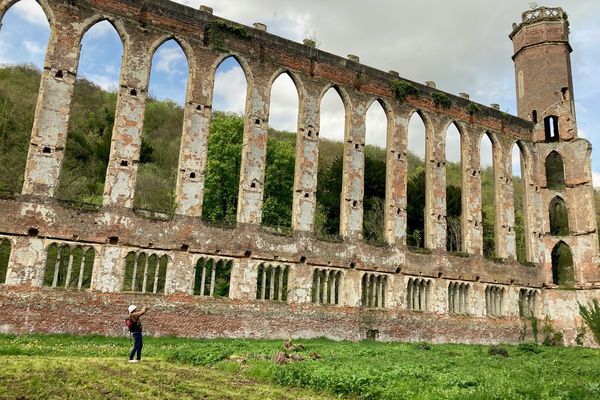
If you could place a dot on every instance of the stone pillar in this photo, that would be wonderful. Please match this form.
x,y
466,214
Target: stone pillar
x,y
307,161
530,212
506,246
27,261
351,202
435,186
300,284
51,121
109,271
191,173
121,174
242,284
254,149
181,273
471,219
396,176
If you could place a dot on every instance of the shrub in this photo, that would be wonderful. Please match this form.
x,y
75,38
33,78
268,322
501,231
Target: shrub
x,y
591,316
402,89
473,109
529,347
497,350
441,99
551,337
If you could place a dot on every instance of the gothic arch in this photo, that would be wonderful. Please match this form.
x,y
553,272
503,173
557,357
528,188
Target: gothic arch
x,y
345,101
243,65
555,171
562,264
6,5
300,90
116,24
185,47
559,217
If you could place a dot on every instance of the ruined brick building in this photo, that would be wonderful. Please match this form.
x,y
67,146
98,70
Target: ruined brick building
x,y
298,285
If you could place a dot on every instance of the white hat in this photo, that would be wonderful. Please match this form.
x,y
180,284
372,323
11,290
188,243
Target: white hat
x,y
132,308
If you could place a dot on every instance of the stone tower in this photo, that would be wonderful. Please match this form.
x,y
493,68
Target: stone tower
x,y
542,62
563,192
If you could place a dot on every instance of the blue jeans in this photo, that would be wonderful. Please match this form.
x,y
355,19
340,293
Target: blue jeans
x,y
137,345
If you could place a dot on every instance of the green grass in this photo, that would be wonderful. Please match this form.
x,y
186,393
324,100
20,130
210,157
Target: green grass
x,y
95,367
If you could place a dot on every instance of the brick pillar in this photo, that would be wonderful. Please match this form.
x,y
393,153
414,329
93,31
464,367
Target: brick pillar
x,y
396,176
530,213
307,160
121,174
351,202
472,228
254,149
506,246
194,140
435,186
51,121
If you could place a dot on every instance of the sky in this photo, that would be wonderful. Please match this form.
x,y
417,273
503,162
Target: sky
x,y
462,45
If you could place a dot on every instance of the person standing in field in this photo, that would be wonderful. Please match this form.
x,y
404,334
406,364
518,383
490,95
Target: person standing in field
x,y
135,327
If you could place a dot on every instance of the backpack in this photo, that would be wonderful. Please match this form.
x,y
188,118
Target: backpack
x,y
131,324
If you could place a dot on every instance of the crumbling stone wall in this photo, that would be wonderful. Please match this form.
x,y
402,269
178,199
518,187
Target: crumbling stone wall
x,y
34,219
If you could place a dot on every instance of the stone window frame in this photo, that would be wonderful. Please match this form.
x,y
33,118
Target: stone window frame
x,y
218,265
53,269
494,300
272,282
156,287
5,266
373,290
458,297
326,286
418,294
528,301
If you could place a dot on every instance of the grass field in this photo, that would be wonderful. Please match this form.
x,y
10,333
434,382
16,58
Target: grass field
x,y
61,366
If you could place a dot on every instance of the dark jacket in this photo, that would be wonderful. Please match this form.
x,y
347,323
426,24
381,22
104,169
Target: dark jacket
x,y
137,322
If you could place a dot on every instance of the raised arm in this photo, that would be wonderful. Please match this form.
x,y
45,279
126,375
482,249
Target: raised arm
x,y
137,314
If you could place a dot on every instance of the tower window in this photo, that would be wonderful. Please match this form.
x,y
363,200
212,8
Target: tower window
x,y
551,128
534,117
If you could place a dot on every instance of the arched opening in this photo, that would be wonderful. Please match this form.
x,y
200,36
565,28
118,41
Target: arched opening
x,y
562,265
415,191
551,128
163,124
519,200
92,116
331,164
488,202
375,174
224,155
559,217
453,189
555,171
4,259
24,37
281,153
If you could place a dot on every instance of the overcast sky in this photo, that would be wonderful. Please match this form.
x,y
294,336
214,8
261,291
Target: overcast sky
x,y
462,45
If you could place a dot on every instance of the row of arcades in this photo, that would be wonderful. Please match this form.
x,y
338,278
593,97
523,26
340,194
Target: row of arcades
x,y
189,185
70,266
49,140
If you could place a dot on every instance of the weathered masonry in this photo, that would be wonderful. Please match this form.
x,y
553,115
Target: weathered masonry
x,y
65,265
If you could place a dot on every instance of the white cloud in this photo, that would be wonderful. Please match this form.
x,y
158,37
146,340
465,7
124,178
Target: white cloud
x,y
31,12
105,82
34,48
169,58
230,90
101,30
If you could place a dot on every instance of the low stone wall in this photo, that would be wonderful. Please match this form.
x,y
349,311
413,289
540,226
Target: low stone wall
x,y
24,309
